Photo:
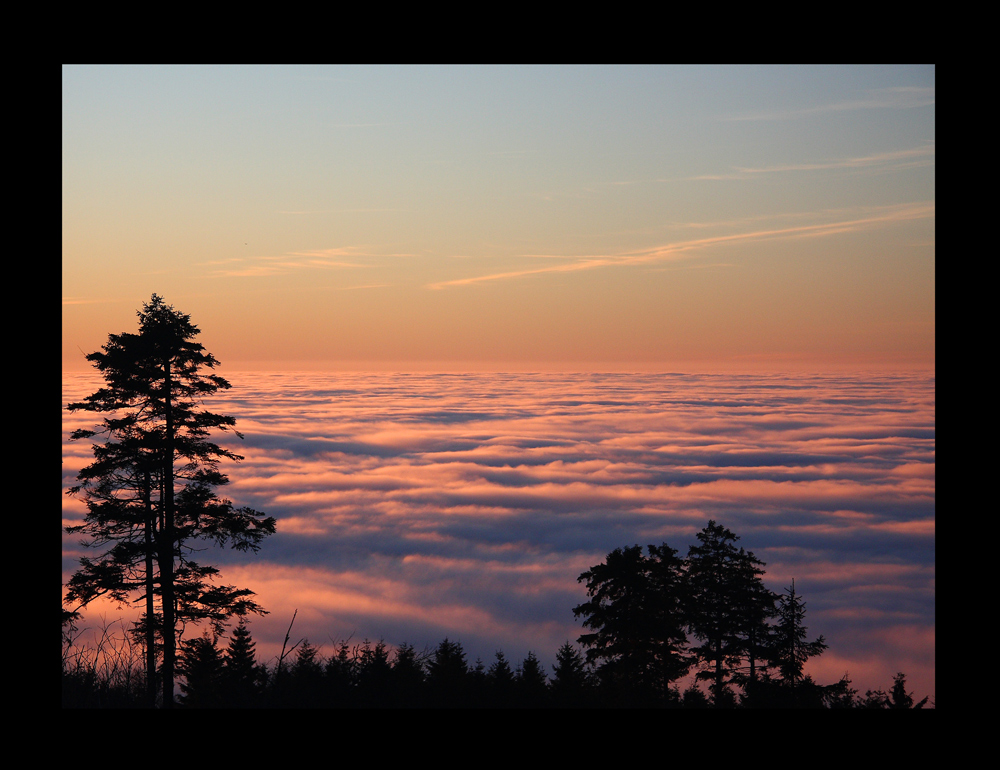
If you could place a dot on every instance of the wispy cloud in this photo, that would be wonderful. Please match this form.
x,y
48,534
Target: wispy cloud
x,y
689,248
316,259
894,160
900,98
909,158
365,286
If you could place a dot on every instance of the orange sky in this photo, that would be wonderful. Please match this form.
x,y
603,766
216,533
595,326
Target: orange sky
x,y
656,218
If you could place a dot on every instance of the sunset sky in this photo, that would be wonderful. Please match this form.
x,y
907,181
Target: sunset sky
x,y
462,218
486,324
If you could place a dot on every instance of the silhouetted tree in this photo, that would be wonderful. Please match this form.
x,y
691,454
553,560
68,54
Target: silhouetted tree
x,y
243,678
840,695
790,650
478,685
373,675
306,683
755,607
714,573
407,677
896,698
899,698
340,676
635,613
201,666
151,486
500,682
531,683
693,698
447,675
571,684
669,583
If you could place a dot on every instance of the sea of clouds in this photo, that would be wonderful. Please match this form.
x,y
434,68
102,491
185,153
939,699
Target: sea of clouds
x,y
414,507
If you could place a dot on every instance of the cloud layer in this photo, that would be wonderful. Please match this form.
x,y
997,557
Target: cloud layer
x,y
412,507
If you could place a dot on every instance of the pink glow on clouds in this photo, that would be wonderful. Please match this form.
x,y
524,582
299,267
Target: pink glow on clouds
x,y
417,506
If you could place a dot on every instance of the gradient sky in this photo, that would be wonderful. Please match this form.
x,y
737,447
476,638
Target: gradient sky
x,y
506,217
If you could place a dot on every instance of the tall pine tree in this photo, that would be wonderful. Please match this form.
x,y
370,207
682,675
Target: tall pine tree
x,y
790,650
241,674
728,610
635,611
151,488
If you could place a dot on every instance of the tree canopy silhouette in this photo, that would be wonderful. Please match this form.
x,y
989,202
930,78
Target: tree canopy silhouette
x,y
790,650
151,487
636,613
727,609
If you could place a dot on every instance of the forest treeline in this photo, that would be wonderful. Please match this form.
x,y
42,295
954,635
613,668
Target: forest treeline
x,y
653,618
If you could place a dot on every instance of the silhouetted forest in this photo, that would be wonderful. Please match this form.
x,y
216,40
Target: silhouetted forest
x,y
653,618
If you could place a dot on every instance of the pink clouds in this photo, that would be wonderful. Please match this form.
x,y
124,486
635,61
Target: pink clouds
x,y
418,506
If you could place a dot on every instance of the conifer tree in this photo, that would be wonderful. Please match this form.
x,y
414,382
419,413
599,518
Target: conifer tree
x,y
896,698
570,682
447,674
241,673
668,576
201,667
151,487
373,675
306,684
341,674
790,650
531,683
899,698
755,607
500,682
712,609
478,685
407,676
636,613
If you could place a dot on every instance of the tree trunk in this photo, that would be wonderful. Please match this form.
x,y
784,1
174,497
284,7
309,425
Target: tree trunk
x,y
167,547
150,605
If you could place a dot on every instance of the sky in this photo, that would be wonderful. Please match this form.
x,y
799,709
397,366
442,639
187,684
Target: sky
x,y
432,218
485,324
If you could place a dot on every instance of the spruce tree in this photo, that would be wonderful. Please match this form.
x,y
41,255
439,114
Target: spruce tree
x,y
531,683
790,650
755,607
407,676
201,666
447,674
341,674
151,488
667,573
570,682
899,698
478,686
500,682
374,675
896,698
713,612
306,687
636,613
241,673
